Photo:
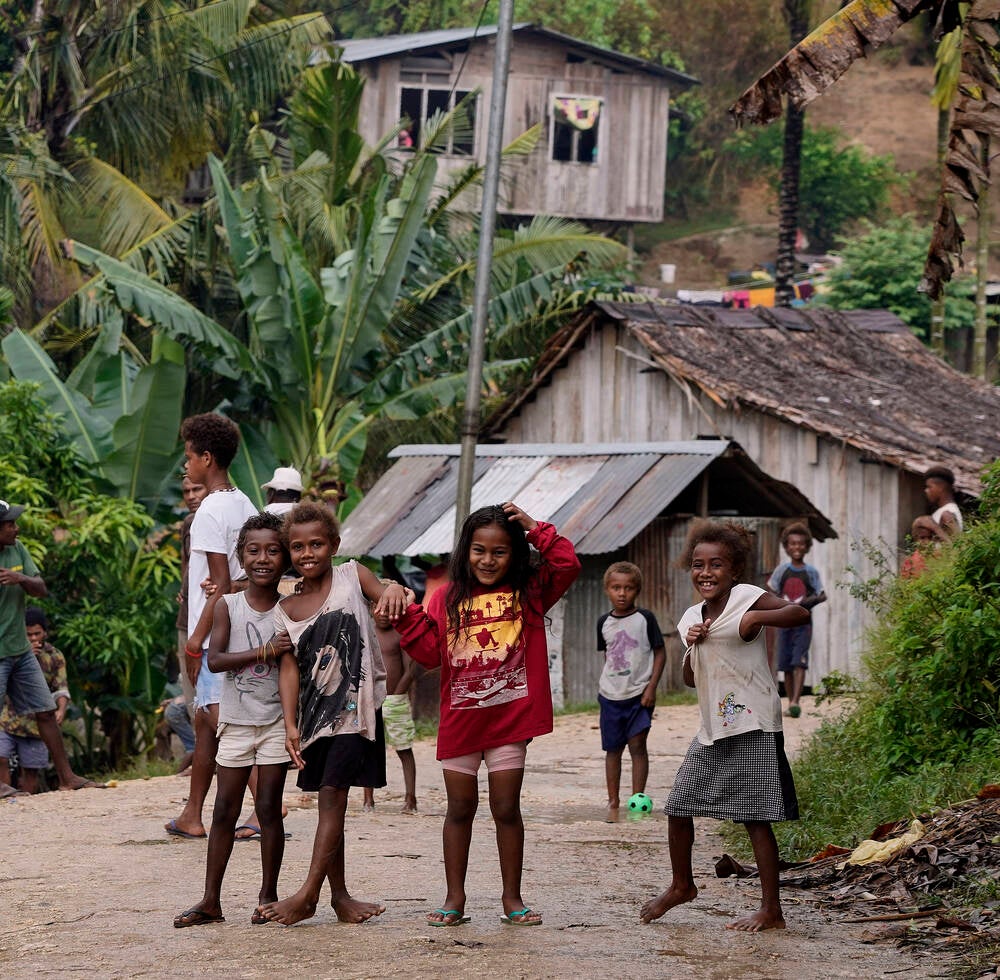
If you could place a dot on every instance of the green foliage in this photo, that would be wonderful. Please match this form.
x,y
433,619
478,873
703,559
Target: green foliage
x,y
882,269
923,728
111,582
838,184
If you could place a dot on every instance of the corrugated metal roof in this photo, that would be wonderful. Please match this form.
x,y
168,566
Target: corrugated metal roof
x,y
372,48
599,496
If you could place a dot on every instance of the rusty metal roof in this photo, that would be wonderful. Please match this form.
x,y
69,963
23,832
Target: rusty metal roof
x,y
599,496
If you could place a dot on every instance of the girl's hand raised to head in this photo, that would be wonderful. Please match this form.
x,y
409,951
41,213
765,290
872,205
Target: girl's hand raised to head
x,y
518,516
392,602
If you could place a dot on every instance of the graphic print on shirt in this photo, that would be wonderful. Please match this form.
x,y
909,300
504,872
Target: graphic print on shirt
x,y
330,658
251,676
487,657
729,709
619,655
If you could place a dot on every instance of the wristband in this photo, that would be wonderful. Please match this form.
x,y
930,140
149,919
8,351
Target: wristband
x,y
191,653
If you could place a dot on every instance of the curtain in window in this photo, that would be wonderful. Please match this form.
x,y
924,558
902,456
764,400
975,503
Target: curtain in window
x,y
580,113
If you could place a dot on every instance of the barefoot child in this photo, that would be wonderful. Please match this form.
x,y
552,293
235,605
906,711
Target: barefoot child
x,y
735,769
397,713
331,692
487,633
634,657
251,728
795,581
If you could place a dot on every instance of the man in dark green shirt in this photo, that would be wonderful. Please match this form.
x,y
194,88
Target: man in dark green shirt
x,y
21,678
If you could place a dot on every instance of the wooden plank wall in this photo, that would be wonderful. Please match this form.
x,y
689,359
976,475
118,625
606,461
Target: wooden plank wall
x,y
863,500
627,182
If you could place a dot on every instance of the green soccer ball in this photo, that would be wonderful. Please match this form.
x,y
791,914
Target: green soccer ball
x,y
640,803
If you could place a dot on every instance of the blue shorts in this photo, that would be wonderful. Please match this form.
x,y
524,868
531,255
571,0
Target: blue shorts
x,y
208,690
793,647
31,752
622,720
22,680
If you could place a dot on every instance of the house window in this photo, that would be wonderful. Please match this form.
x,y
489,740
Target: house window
x,y
420,104
576,122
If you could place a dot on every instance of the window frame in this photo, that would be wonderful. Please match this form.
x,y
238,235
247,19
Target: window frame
x,y
454,97
575,133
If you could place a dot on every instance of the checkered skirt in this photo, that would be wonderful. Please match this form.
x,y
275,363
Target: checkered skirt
x,y
742,778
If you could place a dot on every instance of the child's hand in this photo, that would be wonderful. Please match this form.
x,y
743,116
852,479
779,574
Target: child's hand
x,y
192,665
281,643
648,699
208,587
292,740
518,516
697,633
393,602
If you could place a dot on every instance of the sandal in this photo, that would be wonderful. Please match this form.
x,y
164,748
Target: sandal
x,y
451,917
521,918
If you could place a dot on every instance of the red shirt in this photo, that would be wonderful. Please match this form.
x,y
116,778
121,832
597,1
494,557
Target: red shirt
x,y
495,670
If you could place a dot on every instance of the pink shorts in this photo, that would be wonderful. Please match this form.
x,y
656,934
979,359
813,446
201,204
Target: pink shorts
x,y
497,759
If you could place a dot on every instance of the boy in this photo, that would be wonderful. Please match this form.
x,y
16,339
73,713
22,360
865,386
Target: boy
x,y
795,581
21,677
192,493
210,444
939,489
634,657
20,732
397,713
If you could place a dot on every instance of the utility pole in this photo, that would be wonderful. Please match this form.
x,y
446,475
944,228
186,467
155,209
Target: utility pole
x,y
484,264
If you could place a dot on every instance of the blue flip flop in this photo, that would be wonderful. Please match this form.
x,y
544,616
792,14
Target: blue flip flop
x,y
175,831
458,920
520,918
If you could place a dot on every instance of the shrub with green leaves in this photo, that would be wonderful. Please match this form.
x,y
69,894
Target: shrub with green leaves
x,y
923,730
112,582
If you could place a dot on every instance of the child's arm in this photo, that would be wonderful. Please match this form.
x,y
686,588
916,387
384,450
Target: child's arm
x,y
769,610
59,685
288,691
218,573
560,565
219,660
411,671
389,600
648,699
420,634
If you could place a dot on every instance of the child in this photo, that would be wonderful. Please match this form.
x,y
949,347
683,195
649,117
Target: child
x,y
20,732
735,769
486,631
251,729
927,537
939,489
331,693
397,713
634,657
210,445
193,494
797,582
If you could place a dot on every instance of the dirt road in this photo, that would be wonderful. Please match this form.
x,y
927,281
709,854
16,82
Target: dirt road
x,y
91,884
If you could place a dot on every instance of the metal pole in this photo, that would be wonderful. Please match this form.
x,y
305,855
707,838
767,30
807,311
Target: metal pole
x,y
477,342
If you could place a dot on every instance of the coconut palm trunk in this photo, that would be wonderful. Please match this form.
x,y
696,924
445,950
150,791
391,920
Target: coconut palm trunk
x,y
797,18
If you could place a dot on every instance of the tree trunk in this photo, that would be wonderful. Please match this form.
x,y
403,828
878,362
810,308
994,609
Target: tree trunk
x,y
937,305
982,262
797,18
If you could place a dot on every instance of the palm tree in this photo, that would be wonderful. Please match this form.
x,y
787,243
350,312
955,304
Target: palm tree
x,y
815,63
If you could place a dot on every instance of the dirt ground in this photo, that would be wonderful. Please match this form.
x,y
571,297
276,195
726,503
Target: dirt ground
x,y
91,883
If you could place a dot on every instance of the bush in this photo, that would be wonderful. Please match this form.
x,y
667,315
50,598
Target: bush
x,y
923,731
111,583
882,269
837,185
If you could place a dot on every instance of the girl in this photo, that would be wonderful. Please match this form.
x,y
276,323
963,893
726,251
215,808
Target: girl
x,y
486,632
331,693
735,768
251,731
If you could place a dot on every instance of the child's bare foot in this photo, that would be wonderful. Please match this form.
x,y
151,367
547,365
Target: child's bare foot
x,y
354,911
78,782
758,922
409,804
674,895
288,911
612,816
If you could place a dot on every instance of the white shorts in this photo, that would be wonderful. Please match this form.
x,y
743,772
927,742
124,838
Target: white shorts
x,y
249,745
497,759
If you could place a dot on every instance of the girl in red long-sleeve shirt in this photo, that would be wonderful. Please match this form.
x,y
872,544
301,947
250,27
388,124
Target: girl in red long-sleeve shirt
x,y
486,631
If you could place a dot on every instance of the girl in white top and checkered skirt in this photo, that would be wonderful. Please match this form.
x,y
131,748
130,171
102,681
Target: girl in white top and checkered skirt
x,y
735,769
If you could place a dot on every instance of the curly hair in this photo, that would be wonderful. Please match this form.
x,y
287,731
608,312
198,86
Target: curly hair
x,y
309,513
735,538
212,433
941,473
797,527
264,521
463,582
624,568
33,616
